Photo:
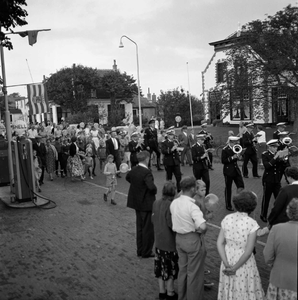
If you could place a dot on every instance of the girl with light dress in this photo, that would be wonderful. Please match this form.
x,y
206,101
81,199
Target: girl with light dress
x,y
239,275
110,171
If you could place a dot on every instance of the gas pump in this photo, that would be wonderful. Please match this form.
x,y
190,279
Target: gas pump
x,y
23,170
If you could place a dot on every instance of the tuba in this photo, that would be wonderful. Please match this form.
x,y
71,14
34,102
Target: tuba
x,y
286,141
237,149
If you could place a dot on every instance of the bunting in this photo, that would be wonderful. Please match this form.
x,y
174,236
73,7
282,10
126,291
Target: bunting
x,y
37,99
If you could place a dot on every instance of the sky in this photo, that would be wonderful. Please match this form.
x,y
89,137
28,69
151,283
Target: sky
x,y
173,38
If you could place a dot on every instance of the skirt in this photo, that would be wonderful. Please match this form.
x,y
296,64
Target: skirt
x,y
166,264
275,293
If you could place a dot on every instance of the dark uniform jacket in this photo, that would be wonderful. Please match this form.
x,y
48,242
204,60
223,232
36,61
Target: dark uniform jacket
x,y
197,151
171,158
248,143
275,135
230,164
142,190
150,137
273,167
134,148
208,140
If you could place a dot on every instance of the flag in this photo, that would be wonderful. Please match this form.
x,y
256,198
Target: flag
x,y
37,99
32,36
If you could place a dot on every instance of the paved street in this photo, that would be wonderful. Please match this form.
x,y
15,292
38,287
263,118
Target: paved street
x,y
84,249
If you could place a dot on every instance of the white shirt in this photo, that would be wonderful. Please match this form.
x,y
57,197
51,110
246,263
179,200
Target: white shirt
x,y
115,143
186,215
32,133
143,165
262,136
295,182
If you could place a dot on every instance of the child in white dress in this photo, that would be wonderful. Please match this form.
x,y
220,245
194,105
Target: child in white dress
x,y
110,171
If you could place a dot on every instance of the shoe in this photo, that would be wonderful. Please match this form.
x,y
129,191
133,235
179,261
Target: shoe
x,y
94,174
208,284
245,176
118,175
159,169
113,202
62,175
91,177
182,165
52,179
41,182
39,190
207,272
210,168
263,219
173,297
229,208
257,176
162,296
150,255
105,197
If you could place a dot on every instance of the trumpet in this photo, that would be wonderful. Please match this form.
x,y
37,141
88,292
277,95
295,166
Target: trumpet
x,y
237,149
286,141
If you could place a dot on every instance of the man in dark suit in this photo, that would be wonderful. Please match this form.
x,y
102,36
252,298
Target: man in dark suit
x,y
286,194
41,152
135,146
171,159
231,170
112,147
141,196
273,170
200,161
280,128
185,144
151,142
250,154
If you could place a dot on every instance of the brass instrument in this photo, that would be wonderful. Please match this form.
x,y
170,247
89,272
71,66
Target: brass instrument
x,y
286,141
237,149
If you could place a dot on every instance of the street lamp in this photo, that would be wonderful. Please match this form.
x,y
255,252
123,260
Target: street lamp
x,y
138,74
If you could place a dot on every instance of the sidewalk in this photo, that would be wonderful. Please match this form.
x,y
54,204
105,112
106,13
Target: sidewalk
x,y
84,249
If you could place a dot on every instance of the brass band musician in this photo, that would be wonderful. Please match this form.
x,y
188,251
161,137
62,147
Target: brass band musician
x,y
274,165
250,154
231,169
200,161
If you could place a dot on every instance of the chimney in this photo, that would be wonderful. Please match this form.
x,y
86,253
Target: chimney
x,y
149,95
114,66
154,98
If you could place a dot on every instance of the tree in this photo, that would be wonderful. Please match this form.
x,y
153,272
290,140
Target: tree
x,y
263,59
90,115
119,87
11,15
71,87
176,102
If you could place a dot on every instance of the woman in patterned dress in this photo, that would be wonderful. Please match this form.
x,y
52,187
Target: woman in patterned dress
x,y
166,257
280,253
239,275
74,162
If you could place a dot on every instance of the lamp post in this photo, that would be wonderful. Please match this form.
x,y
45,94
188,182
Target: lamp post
x,y
189,97
138,74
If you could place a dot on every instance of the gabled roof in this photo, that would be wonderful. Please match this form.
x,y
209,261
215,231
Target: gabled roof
x,y
226,43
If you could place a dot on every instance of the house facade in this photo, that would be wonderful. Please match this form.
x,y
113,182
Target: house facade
x,y
278,101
